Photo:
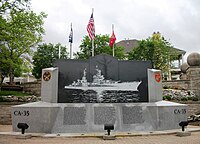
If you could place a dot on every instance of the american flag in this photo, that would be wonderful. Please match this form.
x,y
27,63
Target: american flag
x,y
91,27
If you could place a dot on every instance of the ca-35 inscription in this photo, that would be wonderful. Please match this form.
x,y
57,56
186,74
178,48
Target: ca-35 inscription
x,y
22,113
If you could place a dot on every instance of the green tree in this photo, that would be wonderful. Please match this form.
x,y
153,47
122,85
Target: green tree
x,y
101,44
17,5
156,49
45,55
5,63
21,29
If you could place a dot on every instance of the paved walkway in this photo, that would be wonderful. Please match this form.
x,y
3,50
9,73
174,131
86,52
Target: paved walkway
x,y
159,139
169,137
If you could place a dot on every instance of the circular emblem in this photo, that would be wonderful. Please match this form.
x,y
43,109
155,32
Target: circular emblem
x,y
157,77
46,76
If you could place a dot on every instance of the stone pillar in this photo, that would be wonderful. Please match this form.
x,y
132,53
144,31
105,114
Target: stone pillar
x,y
194,77
154,85
49,88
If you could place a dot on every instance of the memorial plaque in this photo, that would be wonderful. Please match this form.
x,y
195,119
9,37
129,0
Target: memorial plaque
x,y
104,115
74,116
132,115
102,79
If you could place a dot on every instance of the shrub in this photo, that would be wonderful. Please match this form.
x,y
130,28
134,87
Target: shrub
x,y
1,99
167,97
190,98
184,99
15,93
165,87
194,99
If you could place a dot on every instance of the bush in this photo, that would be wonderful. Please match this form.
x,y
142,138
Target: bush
x,y
166,87
167,97
190,98
195,99
184,99
14,93
1,99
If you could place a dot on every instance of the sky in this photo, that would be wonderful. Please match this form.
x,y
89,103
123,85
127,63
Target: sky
x,y
177,20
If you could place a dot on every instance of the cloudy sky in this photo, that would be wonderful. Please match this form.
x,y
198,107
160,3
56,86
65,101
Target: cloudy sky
x,y
177,20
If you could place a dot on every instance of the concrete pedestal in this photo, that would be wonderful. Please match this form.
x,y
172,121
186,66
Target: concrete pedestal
x,y
24,136
183,133
109,137
43,117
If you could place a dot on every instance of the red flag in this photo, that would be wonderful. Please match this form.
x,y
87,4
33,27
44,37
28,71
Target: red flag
x,y
91,27
112,39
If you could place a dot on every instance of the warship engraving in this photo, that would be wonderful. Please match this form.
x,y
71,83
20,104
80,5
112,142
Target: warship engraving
x,y
104,87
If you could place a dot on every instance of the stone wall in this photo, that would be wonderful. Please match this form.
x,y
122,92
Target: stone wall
x,y
177,84
5,111
194,76
5,114
194,109
33,88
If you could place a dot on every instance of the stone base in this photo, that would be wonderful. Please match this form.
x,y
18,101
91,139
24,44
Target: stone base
x,y
109,137
24,136
183,133
43,117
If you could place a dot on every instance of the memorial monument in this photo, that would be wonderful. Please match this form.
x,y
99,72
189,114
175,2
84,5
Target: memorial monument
x,y
81,96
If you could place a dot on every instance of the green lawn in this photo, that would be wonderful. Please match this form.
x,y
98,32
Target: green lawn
x,y
14,93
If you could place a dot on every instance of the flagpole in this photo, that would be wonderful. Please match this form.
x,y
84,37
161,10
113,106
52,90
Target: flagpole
x,y
71,46
59,52
93,47
113,44
70,50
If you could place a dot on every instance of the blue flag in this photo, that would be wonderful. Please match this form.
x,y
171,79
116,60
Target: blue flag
x,y
71,36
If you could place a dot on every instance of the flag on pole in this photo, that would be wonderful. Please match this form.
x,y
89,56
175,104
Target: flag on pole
x,y
112,39
71,35
91,27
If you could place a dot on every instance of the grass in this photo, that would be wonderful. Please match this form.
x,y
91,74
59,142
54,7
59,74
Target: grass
x,y
13,93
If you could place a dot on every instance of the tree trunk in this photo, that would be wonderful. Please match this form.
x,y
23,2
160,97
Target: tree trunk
x,y
10,79
1,78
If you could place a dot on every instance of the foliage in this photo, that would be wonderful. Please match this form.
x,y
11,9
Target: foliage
x,y
13,93
166,87
101,44
193,98
45,55
5,63
156,49
167,97
21,29
184,99
17,5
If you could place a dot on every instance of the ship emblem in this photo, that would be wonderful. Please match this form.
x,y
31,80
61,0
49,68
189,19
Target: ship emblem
x,y
157,77
46,76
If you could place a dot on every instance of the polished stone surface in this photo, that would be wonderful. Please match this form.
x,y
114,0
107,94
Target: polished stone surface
x,y
43,117
49,87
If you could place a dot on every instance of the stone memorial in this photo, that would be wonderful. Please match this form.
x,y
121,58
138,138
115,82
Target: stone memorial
x,y
81,96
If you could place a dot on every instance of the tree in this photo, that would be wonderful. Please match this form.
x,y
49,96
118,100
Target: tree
x,y
156,49
45,55
17,5
5,62
21,29
101,44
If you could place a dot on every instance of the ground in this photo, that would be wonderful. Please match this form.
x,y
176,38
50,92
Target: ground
x,y
159,139
195,123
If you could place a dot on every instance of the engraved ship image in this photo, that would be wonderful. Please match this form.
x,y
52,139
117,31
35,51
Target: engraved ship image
x,y
99,84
